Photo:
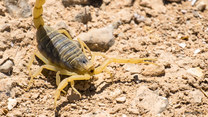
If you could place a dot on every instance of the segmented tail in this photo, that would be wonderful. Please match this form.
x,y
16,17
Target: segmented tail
x,y
37,13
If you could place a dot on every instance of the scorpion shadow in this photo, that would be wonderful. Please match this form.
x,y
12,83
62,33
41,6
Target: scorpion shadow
x,y
92,91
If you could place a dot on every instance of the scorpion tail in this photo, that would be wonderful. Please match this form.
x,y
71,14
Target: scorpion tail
x,y
37,13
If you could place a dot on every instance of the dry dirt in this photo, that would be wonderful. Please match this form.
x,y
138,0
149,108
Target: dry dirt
x,y
177,37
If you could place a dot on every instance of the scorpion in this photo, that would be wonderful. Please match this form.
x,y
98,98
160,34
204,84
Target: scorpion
x,y
63,55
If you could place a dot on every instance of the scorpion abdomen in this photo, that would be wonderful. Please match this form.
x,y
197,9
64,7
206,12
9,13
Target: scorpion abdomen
x,y
59,49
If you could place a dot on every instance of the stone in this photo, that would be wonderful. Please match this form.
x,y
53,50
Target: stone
x,y
173,0
11,103
201,6
138,18
154,70
196,96
115,93
124,15
18,8
84,16
6,66
98,39
197,72
120,99
157,5
5,27
71,2
149,100
183,45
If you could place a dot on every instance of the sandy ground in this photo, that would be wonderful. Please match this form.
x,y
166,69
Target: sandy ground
x,y
176,34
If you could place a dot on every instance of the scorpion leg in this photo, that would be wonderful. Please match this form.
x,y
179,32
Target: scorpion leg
x,y
97,54
64,83
40,56
102,67
83,45
65,32
58,79
52,68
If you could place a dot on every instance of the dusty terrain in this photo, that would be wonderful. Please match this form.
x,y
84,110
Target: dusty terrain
x,y
176,34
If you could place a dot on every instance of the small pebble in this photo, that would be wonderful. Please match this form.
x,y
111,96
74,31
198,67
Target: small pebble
x,y
154,70
5,27
123,115
11,103
201,6
71,2
35,95
193,2
196,51
184,11
183,45
196,96
6,67
196,72
138,18
149,100
115,93
120,99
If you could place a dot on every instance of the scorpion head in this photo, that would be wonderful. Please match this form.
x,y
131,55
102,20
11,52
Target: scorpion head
x,y
83,65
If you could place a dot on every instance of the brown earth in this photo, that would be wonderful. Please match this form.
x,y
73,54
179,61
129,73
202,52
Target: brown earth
x,y
172,35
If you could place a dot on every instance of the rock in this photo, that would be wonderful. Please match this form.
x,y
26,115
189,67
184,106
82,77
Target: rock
x,y
201,6
183,45
16,113
5,27
196,96
123,115
116,24
157,5
98,39
84,16
120,99
71,2
197,72
35,95
128,2
196,14
43,115
6,66
18,8
173,0
115,93
124,15
106,2
5,88
61,25
2,10
193,2
154,70
196,51
11,103
138,18
147,99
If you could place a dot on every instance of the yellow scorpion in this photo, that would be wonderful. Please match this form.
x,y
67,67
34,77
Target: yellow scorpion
x,y
64,56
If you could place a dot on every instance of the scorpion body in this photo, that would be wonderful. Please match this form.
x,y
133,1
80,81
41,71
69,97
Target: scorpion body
x,y
64,56
60,50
